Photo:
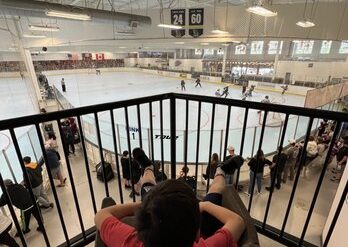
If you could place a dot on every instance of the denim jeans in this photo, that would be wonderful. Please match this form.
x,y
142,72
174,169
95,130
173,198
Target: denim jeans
x,y
258,181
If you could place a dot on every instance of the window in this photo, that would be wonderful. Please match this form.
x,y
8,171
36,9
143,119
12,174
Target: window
x,y
198,51
240,49
256,47
344,47
303,46
208,52
275,47
325,47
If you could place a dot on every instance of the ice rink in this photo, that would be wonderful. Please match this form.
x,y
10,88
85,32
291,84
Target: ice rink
x,y
90,89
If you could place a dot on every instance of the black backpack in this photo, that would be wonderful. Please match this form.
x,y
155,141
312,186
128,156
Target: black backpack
x,y
109,174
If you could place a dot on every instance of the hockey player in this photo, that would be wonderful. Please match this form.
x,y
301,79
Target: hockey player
x,y
198,82
183,85
285,88
225,92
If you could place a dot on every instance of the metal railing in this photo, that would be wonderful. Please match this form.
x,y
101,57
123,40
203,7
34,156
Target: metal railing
x,y
174,116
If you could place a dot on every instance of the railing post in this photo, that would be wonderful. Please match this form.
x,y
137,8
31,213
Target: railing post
x,y
295,132
173,136
221,140
280,132
254,137
118,138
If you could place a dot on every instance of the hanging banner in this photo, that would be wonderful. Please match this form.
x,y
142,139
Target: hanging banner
x,y
196,17
177,17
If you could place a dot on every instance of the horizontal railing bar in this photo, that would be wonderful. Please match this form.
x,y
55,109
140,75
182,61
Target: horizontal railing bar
x,y
291,110
78,111
52,116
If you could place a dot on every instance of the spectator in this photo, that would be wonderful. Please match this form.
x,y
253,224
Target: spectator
x,y
35,178
135,178
231,154
341,159
54,166
170,215
289,168
213,165
257,164
5,237
68,137
184,171
52,141
126,170
20,198
277,167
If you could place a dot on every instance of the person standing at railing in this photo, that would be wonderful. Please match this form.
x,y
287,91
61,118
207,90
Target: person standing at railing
x,y
54,164
34,172
21,199
341,158
292,154
257,164
231,154
277,167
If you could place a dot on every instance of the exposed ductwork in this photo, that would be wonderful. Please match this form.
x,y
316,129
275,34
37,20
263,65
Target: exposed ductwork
x,y
38,9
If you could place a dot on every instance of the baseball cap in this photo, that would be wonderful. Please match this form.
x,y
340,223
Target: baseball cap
x,y
230,148
292,141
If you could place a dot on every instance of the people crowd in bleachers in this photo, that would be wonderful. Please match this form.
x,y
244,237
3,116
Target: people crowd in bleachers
x,y
14,66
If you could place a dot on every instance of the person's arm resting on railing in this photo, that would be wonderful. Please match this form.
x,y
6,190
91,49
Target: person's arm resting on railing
x,y
117,211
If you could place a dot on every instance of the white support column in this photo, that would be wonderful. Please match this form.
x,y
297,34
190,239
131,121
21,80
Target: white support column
x,y
31,81
224,61
275,68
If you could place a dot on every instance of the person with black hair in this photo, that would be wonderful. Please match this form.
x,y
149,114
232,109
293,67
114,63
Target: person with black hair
x,y
21,199
257,164
277,167
171,216
35,177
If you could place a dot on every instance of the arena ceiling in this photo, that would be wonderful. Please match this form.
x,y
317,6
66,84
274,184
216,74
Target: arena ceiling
x,y
330,16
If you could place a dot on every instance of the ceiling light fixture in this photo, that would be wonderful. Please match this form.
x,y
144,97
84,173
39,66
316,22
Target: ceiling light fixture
x,y
43,28
34,36
259,10
68,15
204,43
169,26
179,43
305,24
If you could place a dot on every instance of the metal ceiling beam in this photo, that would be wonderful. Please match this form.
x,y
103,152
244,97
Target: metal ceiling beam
x,y
37,9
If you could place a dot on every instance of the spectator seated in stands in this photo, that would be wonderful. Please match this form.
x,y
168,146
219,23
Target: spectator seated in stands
x,y
170,215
